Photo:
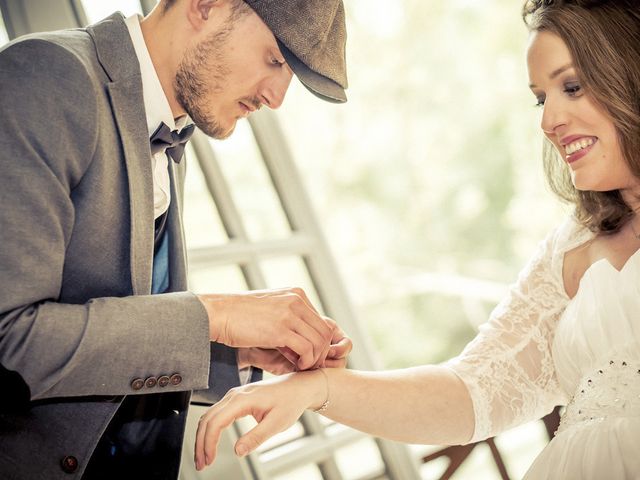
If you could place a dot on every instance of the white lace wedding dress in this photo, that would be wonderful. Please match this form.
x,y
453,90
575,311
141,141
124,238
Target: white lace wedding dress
x,y
540,349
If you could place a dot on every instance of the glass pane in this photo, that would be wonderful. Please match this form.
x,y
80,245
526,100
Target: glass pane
x,y
332,428
326,422
360,459
290,272
308,472
4,37
202,223
225,279
436,467
99,9
251,185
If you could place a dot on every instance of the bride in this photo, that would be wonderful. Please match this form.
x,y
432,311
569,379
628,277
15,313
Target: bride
x,y
568,333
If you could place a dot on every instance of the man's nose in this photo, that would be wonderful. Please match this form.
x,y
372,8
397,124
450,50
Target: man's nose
x,y
275,88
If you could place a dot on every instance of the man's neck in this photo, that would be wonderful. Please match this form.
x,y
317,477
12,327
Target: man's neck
x,y
162,42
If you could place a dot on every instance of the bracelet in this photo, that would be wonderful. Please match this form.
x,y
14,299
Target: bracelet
x,y
325,405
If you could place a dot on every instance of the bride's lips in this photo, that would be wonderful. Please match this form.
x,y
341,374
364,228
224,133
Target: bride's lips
x,y
577,155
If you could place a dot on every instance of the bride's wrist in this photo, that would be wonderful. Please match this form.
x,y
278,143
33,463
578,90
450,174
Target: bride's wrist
x,y
319,389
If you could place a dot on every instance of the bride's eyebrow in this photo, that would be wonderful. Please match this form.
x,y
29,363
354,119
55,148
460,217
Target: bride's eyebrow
x,y
556,72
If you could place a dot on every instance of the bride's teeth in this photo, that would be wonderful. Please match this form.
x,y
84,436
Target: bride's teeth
x,y
578,145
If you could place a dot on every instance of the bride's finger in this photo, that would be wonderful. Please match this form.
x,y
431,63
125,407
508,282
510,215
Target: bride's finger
x,y
270,424
200,456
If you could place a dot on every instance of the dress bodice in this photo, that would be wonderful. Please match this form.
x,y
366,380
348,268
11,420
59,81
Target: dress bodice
x,y
596,350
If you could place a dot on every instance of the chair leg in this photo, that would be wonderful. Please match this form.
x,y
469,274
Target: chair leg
x,y
497,458
552,422
456,455
459,453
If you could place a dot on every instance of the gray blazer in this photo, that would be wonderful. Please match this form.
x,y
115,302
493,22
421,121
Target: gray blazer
x,y
77,321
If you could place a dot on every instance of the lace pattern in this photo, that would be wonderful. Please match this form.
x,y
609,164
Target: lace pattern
x,y
508,368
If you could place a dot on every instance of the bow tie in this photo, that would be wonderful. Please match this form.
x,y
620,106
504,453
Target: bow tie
x,y
170,140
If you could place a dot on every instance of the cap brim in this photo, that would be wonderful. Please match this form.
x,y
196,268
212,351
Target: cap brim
x,y
321,86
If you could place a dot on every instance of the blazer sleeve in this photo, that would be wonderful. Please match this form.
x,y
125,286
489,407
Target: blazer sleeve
x,y
47,141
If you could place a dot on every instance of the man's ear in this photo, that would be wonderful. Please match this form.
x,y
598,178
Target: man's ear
x,y
199,10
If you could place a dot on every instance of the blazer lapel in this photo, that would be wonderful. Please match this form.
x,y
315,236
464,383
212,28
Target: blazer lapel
x,y
118,58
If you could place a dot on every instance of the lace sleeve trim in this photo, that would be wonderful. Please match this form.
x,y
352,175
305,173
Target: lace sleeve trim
x,y
508,368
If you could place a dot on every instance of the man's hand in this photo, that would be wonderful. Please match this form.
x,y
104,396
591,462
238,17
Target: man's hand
x,y
341,347
267,359
276,362
281,319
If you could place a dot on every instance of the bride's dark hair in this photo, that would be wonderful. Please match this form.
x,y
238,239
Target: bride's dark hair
x,y
603,37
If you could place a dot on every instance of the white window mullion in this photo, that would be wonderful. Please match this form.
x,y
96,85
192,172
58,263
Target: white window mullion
x,y
229,213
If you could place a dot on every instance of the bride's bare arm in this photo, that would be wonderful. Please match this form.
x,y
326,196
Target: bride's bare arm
x,y
426,404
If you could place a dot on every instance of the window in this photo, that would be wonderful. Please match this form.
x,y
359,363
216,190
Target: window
x,y
97,9
249,224
4,36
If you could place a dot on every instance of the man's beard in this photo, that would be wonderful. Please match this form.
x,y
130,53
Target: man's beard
x,y
200,66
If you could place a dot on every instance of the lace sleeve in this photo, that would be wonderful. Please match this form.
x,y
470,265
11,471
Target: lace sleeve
x,y
508,368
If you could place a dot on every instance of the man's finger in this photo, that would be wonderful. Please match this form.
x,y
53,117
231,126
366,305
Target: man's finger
x,y
310,317
319,343
340,349
289,354
273,361
303,295
323,357
339,363
301,347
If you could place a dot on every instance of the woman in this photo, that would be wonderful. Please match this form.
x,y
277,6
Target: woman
x,y
568,333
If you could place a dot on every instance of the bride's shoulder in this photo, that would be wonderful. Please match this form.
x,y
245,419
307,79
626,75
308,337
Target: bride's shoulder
x,y
569,235
575,263
586,248
570,253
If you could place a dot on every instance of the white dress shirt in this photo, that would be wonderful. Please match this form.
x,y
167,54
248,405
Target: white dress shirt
x,y
157,110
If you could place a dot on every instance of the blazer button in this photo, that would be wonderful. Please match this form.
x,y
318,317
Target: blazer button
x,y
176,378
150,382
163,381
137,383
69,464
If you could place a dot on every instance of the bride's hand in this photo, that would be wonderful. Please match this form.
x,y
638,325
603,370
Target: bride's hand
x,y
275,404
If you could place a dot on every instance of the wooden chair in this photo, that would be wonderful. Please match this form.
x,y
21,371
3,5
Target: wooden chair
x,y
458,454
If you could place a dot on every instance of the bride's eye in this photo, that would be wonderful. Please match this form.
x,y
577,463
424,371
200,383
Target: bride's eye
x,y
573,89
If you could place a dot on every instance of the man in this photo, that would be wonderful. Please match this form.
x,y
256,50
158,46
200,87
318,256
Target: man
x,y
100,344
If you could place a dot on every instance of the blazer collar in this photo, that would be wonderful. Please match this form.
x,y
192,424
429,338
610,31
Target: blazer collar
x,y
114,47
